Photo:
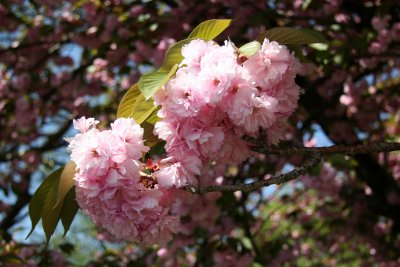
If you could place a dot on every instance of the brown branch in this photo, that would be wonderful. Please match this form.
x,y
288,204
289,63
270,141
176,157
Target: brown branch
x,y
316,154
283,178
336,149
11,214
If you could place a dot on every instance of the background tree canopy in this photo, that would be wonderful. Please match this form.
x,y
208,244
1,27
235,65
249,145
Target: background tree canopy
x,y
60,60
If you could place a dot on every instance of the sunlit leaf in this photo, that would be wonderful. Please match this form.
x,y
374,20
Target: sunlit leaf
x,y
153,118
69,209
125,107
250,49
151,82
143,109
37,203
134,105
210,29
285,35
66,181
174,55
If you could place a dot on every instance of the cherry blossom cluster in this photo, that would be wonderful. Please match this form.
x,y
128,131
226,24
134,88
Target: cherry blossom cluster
x,y
217,96
110,186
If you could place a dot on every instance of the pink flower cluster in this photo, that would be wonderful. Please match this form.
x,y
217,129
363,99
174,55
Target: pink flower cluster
x,y
216,97
110,186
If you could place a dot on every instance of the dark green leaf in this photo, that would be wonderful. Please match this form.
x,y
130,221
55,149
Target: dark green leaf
x,y
285,35
67,248
298,53
210,29
51,211
36,205
148,126
69,209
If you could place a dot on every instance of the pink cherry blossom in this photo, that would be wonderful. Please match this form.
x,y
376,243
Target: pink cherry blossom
x,y
271,64
215,98
110,187
83,124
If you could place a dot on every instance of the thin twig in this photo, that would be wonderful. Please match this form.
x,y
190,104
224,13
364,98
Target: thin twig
x,y
283,178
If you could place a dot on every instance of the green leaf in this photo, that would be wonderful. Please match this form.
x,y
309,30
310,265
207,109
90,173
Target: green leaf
x,y
143,109
285,35
210,29
125,108
150,83
298,53
67,248
51,211
148,127
250,49
174,55
149,138
153,118
66,181
37,203
69,209
133,105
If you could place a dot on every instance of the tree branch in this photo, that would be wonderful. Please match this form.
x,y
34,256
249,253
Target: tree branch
x,y
336,149
315,158
9,218
283,178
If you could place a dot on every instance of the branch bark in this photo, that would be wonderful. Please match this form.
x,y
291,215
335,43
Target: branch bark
x,y
316,154
280,179
335,149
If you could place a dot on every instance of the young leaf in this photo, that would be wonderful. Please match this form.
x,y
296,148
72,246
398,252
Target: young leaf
x,y
149,83
36,205
133,105
142,109
250,49
174,55
125,107
66,181
286,36
152,82
210,29
69,209
153,118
